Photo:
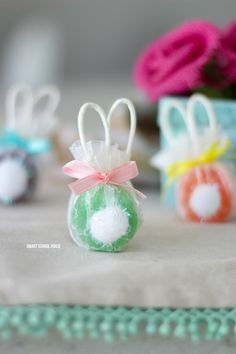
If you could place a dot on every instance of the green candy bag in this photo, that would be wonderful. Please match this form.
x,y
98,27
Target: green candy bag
x,y
104,213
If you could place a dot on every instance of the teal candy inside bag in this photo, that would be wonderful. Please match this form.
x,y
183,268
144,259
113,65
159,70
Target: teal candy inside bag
x,y
106,217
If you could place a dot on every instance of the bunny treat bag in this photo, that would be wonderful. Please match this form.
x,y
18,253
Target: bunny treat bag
x,y
198,162
103,212
30,118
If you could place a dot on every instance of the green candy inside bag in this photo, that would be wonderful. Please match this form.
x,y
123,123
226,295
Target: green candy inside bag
x,y
104,218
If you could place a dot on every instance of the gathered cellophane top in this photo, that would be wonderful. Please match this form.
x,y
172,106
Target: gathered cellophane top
x,y
99,155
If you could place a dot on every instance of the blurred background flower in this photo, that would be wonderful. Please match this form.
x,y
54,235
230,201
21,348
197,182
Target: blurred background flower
x,y
196,56
228,51
173,63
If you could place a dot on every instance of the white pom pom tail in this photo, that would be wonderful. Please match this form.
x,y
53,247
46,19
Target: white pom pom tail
x,y
205,200
109,224
13,179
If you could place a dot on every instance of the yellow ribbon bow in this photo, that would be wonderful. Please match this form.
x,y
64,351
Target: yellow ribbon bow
x,y
212,154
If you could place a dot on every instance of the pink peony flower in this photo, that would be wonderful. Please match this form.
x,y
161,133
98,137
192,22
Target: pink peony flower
x,y
173,63
228,51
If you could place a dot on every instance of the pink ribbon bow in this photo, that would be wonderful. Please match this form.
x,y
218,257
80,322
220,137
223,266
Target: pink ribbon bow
x,y
88,177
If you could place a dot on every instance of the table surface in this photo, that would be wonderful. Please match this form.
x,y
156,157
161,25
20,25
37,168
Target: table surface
x,y
138,345
168,264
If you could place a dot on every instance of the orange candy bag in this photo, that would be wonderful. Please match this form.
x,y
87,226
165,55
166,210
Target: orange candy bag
x,y
196,161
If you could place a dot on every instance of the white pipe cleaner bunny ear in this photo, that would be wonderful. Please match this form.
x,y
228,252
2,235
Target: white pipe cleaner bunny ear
x,y
133,120
191,107
211,132
44,119
188,116
107,122
165,123
102,154
18,107
31,115
96,152
176,145
195,141
101,115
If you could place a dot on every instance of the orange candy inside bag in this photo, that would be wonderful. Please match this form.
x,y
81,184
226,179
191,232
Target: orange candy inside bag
x,y
205,194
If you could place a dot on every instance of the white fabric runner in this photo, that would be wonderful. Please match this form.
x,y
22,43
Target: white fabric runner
x,y
168,263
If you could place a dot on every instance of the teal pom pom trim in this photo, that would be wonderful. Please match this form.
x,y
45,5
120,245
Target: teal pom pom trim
x,y
96,199
110,323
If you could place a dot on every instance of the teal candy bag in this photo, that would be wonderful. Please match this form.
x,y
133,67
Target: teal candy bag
x,y
104,212
30,119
